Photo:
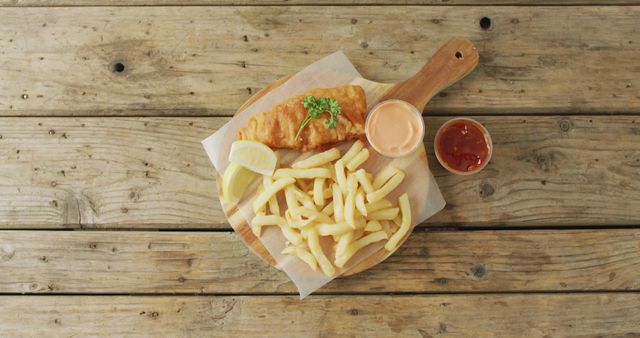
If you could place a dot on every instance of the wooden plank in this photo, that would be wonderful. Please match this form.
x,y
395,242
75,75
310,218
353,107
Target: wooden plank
x,y
550,315
36,3
479,261
107,172
153,173
44,3
208,60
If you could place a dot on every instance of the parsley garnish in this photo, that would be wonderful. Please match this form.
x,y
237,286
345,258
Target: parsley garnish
x,y
316,107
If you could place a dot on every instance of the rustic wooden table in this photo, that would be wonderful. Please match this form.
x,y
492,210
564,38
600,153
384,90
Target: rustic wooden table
x,y
111,224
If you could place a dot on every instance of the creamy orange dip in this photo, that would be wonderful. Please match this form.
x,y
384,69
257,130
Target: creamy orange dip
x,y
394,128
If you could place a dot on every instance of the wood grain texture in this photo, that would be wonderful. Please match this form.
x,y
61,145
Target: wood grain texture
x,y
13,3
552,315
208,60
148,262
153,173
107,172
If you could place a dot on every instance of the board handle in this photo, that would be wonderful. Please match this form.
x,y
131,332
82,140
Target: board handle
x,y
453,61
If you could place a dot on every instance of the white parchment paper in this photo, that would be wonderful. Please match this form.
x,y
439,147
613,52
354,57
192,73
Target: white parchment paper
x,y
331,71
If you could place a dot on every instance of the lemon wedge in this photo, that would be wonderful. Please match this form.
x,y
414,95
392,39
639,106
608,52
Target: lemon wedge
x,y
235,181
254,156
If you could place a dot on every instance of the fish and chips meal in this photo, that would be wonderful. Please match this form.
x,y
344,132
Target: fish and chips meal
x,y
325,195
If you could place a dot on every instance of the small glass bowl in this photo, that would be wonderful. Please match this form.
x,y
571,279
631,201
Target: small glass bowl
x,y
487,138
421,132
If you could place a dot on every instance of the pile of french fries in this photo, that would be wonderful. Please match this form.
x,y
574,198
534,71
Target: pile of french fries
x,y
328,194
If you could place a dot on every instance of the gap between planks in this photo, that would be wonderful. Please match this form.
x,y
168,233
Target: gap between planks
x,y
310,3
159,113
419,228
322,294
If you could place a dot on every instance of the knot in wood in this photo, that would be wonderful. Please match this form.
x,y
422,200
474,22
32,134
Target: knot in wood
x,y
478,271
565,125
486,190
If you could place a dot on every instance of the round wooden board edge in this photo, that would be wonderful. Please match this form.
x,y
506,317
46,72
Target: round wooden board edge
x,y
244,231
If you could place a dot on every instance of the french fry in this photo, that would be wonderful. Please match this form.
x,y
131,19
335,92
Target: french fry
x,y
384,214
318,160
343,243
290,199
307,257
331,168
302,173
338,204
349,210
385,227
260,201
293,236
352,183
274,207
349,202
302,197
360,205
364,180
328,209
377,205
386,188
370,178
373,226
384,175
313,213
326,229
294,220
357,245
260,220
327,192
316,251
405,208
353,151
263,208
309,204
303,254
357,160
341,179
318,191
360,223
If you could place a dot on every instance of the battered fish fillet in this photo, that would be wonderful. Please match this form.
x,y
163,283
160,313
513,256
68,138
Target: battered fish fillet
x,y
278,128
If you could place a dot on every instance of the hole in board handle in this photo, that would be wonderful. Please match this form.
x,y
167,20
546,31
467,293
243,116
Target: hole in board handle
x,y
485,23
459,55
118,67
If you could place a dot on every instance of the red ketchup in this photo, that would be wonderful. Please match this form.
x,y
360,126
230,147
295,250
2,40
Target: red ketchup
x,y
463,146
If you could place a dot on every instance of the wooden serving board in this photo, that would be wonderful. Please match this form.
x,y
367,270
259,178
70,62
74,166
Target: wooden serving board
x,y
453,61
